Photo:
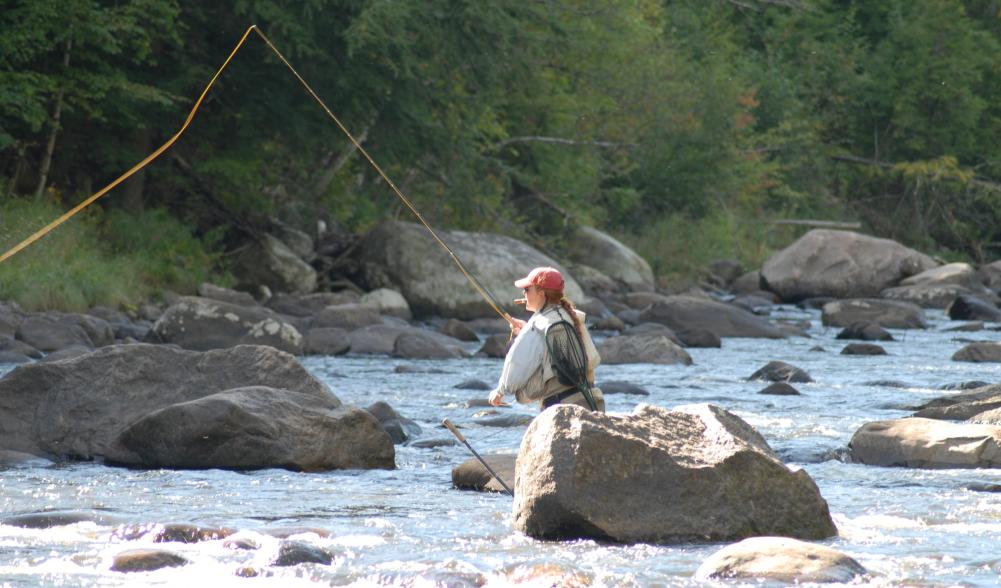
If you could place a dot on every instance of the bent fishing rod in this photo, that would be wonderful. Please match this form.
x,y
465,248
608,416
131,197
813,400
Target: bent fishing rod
x,y
191,115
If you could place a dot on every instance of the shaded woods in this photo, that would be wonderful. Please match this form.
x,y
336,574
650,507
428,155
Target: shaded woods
x,y
687,128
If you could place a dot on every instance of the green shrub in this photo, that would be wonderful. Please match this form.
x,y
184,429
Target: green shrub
x,y
95,259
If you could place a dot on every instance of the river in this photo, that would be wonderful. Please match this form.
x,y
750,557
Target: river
x,y
409,527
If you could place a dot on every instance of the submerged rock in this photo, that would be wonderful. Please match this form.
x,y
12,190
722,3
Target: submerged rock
x,y
291,553
980,352
146,560
696,473
780,371
399,428
780,559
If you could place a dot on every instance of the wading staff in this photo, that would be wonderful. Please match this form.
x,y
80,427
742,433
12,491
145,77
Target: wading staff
x,y
448,425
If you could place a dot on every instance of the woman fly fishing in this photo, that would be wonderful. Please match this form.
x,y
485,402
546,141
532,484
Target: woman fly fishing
x,y
552,359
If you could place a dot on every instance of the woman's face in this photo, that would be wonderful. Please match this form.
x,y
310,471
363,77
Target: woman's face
x,y
535,298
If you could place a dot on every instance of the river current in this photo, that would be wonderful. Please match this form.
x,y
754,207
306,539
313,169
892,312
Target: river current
x,y
409,527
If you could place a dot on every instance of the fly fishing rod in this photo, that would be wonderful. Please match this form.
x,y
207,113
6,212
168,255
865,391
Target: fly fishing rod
x,y
455,431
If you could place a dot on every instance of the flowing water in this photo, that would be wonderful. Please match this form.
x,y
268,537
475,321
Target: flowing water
x,y
409,527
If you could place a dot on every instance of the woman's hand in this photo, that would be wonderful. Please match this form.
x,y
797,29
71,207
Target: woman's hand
x,y
496,398
516,325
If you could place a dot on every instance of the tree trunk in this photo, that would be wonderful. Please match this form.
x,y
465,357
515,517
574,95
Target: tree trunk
x,y
43,174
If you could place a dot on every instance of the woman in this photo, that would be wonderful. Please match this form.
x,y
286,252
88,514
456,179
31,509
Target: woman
x,y
528,374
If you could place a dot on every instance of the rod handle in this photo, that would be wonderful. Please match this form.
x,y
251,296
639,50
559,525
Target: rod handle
x,y
455,431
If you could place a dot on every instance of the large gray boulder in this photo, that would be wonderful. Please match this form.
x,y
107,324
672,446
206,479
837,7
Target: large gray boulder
x,y
966,405
255,427
891,314
959,274
611,257
403,256
642,349
269,262
202,324
927,443
78,408
780,559
696,473
689,313
840,264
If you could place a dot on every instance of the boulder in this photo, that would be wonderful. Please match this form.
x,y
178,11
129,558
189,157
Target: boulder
x,y
255,427
642,300
863,349
347,316
495,346
13,357
609,323
990,276
696,473
77,408
779,389
926,443
971,327
11,316
780,559
268,261
146,560
46,334
840,264
471,475
747,283
422,345
11,345
201,324
653,329
402,255
472,384
458,330
297,241
620,387
399,428
725,271
926,295
971,308
593,281
988,417
610,257
865,331
291,553
754,303
386,301
959,274
685,313
326,341
891,314
213,292
700,338
979,352
963,406
780,371
642,349
382,339
304,305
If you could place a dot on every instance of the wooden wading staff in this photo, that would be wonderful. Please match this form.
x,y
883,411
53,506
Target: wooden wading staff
x,y
448,425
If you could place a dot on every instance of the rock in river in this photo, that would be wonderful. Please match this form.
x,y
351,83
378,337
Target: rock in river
x,y
927,443
241,400
694,473
780,559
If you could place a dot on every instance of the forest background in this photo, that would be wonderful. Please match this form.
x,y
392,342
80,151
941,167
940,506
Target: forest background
x,y
686,128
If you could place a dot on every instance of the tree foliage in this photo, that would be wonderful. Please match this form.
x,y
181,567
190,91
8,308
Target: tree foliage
x,y
639,116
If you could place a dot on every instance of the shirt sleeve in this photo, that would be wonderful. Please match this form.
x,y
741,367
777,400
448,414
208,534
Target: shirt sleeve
x,y
522,360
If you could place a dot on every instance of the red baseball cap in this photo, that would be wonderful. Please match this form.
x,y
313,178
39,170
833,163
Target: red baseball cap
x,y
547,278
